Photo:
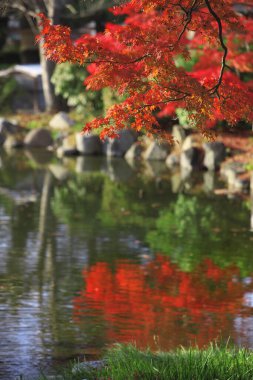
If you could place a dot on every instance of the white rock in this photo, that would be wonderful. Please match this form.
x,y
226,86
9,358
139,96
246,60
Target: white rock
x,y
179,135
134,152
13,141
157,152
192,141
191,159
215,153
61,121
173,160
68,147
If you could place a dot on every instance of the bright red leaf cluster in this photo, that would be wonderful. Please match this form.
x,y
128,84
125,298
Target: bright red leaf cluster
x,y
139,59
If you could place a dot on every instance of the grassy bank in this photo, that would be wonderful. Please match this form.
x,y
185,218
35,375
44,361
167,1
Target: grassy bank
x,y
126,363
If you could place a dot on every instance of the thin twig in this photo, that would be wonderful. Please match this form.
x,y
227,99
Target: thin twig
x,y
163,102
118,62
188,19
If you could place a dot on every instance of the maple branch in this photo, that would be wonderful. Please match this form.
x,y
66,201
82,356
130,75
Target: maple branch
x,y
175,90
119,62
188,18
224,47
180,6
163,102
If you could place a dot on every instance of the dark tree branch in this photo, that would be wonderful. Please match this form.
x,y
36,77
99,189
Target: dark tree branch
x,y
163,102
188,13
118,62
224,47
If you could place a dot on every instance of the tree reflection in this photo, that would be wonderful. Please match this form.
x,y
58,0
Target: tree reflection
x,y
135,302
192,228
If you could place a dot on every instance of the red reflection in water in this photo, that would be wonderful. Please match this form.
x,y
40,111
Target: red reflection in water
x,y
139,302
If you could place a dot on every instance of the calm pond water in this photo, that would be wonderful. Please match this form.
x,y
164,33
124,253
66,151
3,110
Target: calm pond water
x,y
95,252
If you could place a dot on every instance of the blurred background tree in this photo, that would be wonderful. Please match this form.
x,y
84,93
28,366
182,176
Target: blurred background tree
x,y
22,16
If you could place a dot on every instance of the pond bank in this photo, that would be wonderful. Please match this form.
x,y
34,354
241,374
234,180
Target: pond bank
x,y
127,362
229,154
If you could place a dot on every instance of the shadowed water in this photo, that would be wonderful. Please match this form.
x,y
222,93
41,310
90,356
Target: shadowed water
x,y
94,252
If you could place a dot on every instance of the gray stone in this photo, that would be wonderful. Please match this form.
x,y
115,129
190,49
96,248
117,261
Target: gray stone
x,y
61,121
88,144
134,152
7,128
215,153
61,152
241,184
68,146
179,135
119,146
69,142
237,166
4,122
13,141
191,159
231,170
38,138
173,160
95,364
231,177
156,151
236,176
146,141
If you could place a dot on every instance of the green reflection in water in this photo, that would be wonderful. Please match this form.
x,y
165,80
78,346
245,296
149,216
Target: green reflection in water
x,y
196,227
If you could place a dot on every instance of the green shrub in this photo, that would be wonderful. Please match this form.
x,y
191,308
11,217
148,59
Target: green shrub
x,y
68,81
9,87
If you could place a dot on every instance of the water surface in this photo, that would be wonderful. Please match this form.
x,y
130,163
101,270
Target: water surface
x,y
95,252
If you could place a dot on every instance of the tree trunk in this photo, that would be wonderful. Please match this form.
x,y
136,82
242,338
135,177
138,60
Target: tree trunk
x,y
51,102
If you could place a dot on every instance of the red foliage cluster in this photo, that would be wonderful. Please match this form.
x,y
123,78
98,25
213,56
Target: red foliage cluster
x,y
138,302
139,59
